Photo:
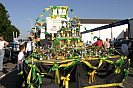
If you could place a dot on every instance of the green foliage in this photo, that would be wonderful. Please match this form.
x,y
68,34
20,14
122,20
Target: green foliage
x,y
6,29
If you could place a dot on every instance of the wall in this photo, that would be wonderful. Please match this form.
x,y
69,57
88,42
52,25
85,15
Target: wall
x,y
117,32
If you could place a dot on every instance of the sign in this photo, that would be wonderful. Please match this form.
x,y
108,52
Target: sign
x,y
58,11
54,24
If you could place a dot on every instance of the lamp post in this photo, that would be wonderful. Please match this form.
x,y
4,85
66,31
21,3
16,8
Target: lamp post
x,y
31,22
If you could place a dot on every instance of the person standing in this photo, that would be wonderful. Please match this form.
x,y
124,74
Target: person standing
x,y
29,46
3,44
98,42
21,57
124,46
106,43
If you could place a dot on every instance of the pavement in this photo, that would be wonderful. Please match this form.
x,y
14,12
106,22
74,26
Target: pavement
x,y
9,77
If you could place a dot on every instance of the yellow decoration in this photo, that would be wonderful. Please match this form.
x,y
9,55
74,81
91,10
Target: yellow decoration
x,y
61,57
29,76
77,18
53,36
38,39
88,64
104,85
34,40
37,24
78,23
31,86
41,24
92,33
68,41
41,15
46,9
65,81
92,76
79,44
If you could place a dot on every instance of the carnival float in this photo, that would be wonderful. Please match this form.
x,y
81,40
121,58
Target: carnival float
x,y
67,62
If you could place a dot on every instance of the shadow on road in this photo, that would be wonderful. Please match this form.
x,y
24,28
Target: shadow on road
x,y
10,80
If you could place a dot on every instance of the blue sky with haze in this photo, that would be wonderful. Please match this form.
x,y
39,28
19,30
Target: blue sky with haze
x,y
21,10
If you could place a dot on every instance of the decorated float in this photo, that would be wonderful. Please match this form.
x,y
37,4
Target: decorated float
x,y
66,62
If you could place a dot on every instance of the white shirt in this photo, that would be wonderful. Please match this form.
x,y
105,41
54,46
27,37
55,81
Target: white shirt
x,y
20,57
29,46
2,44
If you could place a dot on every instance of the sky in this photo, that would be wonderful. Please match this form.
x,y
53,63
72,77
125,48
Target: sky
x,y
22,10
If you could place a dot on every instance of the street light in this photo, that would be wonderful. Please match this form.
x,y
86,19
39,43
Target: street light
x,y
31,22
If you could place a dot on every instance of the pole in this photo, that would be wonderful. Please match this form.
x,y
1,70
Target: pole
x,y
13,35
16,34
99,33
111,34
31,23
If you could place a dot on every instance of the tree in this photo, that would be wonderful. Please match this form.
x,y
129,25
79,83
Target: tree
x,y
6,29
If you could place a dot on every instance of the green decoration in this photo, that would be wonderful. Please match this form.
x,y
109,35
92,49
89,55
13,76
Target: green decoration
x,y
54,7
85,54
37,18
85,29
64,17
44,11
95,37
31,31
126,73
74,62
43,19
20,73
71,10
56,42
46,33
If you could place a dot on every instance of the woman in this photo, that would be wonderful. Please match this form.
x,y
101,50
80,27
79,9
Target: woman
x,y
2,51
106,43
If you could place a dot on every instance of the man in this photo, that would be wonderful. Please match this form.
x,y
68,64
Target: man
x,y
98,43
124,46
29,46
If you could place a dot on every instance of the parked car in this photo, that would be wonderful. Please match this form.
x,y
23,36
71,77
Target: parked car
x,y
7,56
11,53
118,43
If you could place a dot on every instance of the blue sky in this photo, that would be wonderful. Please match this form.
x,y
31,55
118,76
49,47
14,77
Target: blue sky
x,y
21,10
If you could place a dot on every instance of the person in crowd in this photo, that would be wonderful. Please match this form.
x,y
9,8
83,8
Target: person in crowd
x,y
111,43
21,57
29,46
114,42
90,43
124,46
106,43
131,47
98,42
3,44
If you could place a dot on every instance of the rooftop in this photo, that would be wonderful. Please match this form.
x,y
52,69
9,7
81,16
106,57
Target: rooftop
x,y
99,21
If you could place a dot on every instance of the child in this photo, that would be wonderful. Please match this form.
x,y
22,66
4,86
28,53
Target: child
x,y
21,57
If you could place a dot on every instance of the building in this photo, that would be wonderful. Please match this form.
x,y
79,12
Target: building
x,y
99,30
